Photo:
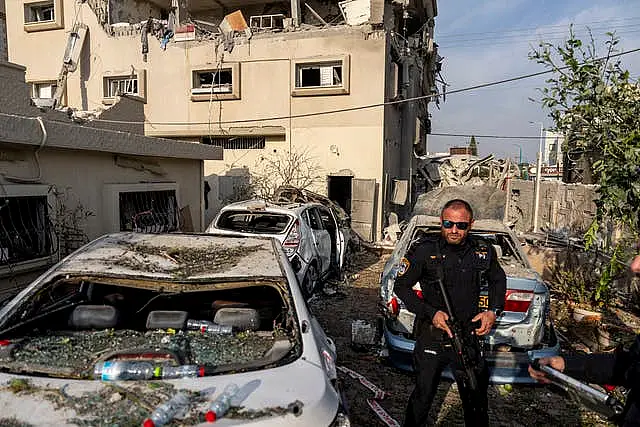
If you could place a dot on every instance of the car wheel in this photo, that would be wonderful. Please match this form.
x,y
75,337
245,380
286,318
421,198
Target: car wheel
x,y
310,281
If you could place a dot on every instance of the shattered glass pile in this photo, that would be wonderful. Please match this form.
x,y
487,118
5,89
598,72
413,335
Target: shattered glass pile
x,y
74,354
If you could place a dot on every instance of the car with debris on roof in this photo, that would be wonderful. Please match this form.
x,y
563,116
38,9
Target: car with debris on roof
x,y
524,330
188,312
310,233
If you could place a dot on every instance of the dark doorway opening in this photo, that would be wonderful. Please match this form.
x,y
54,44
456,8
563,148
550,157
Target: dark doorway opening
x,y
339,190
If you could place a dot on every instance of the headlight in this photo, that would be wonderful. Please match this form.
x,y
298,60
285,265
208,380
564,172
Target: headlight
x,y
341,420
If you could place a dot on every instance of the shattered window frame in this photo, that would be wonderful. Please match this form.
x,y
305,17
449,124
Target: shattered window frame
x,y
224,90
42,15
112,83
335,83
154,211
28,242
111,201
36,88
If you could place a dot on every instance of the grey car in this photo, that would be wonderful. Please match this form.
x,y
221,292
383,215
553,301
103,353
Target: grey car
x,y
522,332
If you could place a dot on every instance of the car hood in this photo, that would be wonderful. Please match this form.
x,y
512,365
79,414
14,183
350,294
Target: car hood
x,y
302,381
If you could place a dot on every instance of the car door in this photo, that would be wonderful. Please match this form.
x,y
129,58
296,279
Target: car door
x,y
338,239
321,239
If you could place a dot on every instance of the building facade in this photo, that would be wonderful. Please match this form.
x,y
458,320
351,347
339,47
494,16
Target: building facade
x,y
64,183
261,79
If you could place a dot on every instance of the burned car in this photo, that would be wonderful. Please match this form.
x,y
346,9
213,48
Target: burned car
x,y
169,313
522,332
310,233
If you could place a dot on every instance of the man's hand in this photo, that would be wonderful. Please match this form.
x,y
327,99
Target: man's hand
x,y
487,319
556,362
440,321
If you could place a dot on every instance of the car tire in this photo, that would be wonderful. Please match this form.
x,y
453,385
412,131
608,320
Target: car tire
x,y
310,282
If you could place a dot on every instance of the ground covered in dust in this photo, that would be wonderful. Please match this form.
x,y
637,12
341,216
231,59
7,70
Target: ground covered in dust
x,y
357,298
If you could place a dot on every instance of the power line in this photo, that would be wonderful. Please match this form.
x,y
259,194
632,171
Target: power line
x,y
529,29
469,135
364,107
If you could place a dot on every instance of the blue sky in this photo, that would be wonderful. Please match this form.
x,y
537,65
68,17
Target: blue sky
x,y
485,41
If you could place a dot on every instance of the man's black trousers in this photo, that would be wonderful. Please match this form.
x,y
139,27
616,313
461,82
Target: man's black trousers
x,y
431,355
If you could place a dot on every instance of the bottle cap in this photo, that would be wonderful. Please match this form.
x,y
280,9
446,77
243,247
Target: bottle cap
x,y
148,423
210,416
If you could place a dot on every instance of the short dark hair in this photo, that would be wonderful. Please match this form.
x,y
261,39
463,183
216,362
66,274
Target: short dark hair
x,y
457,203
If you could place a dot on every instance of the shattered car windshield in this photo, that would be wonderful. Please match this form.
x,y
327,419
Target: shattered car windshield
x,y
73,325
249,222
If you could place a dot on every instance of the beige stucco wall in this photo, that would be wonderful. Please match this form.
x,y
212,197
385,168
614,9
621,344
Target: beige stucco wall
x,y
82,176
265,70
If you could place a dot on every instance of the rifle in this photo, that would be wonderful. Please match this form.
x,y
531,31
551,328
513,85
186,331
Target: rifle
x,y
463,343
591,397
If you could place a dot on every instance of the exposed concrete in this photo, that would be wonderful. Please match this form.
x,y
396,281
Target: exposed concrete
x,y
562,206
133,11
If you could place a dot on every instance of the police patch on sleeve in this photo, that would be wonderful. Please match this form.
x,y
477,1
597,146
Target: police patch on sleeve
x,y
404,266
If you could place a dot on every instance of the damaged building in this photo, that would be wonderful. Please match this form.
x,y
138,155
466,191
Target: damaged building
x,y
251,77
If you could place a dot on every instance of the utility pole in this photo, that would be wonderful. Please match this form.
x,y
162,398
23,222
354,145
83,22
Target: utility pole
x,y
536,203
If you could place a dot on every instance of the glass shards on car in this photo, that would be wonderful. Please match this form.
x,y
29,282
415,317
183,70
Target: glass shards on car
x,y
186,314
524,330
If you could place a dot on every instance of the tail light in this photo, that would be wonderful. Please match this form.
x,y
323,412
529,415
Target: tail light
x,y
394,306
292,241
517,300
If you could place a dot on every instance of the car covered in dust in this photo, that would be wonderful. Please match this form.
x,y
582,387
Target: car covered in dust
x,y
123,324
522,332
310,233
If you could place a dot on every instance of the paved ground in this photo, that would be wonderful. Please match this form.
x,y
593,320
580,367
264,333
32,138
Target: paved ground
x,y
357,299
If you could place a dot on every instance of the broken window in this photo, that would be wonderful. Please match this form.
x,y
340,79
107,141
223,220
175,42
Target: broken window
x,y
25,229
115,86
149,211
319,75
266,22
39,12
236,142
213,81
43,90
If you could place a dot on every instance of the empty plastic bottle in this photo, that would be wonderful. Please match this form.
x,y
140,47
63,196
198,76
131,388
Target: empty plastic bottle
x,y
207,326
221,404
125,370
164,413
182,371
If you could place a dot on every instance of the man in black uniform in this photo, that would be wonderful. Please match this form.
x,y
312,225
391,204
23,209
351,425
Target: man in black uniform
x,y
462,261
620,368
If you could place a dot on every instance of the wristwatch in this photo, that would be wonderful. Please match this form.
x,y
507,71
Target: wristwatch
x,y
497,312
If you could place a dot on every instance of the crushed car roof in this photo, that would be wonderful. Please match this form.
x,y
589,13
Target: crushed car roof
x,y
183,257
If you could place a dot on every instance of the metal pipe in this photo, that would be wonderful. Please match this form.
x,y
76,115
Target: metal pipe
x,y
536,203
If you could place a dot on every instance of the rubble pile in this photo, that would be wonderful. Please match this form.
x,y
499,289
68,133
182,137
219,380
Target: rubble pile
x,y
454,170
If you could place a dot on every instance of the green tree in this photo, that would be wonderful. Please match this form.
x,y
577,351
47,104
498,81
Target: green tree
x,y
473,146
593,101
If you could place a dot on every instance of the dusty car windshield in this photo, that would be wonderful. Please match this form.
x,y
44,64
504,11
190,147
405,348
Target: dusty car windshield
x,y
70,326
252,222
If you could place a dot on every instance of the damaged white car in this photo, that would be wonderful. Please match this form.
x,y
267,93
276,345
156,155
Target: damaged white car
x,y
131,320
311,234
522,332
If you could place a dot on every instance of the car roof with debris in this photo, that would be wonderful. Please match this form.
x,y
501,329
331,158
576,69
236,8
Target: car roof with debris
x,y
478,225
183,257
260,205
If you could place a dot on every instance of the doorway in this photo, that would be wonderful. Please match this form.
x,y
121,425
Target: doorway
x,y
339,190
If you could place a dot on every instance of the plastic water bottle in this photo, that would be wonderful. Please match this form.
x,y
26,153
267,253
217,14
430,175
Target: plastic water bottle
x,y
125,370
164,413
207,326
182,371
221,404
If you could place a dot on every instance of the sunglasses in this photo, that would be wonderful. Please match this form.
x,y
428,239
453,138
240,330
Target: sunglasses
x,y
449,224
